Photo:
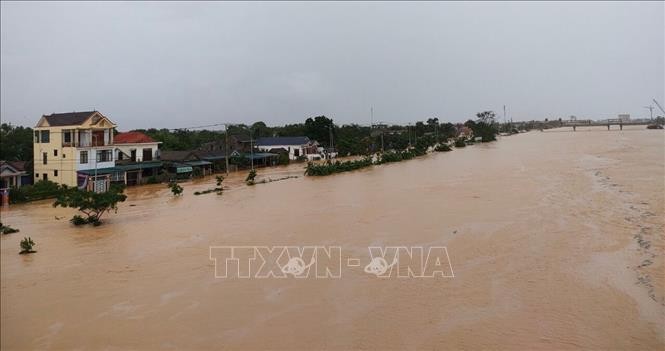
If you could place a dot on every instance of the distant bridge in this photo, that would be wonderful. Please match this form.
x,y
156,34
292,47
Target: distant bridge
x,y
608,123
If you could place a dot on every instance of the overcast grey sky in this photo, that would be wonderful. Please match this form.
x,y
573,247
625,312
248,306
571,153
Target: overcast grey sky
x,y
181,64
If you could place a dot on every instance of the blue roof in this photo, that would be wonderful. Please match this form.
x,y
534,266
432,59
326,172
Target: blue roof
x,y
299,140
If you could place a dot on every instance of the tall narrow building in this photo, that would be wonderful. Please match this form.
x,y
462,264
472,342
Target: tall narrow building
x,y
66,143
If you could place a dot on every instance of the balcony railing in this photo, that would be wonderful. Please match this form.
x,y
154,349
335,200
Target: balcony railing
x,y
86,144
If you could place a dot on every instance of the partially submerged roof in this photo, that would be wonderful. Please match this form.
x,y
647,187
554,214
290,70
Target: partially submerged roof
x,y
73,119
211,155
134,137
299,140
178,156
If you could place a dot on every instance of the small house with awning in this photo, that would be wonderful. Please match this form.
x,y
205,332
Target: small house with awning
x,y
185,164
128,174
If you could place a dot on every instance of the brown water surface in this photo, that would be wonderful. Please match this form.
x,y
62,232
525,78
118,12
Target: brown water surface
x,y
556,240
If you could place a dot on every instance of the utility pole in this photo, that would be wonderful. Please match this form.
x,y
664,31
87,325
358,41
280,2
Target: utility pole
x,y
226,147
371,117
650,108
382,150
408,131
504,114
251,148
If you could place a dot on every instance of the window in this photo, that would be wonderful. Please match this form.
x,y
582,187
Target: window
x,y
67,137
45,176
104,155
45,157
84,157
46,136
55,153
55,172
147,154
36,175
36,136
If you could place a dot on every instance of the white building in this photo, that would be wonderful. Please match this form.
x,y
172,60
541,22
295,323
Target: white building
x,y
135,147
296,147
624,117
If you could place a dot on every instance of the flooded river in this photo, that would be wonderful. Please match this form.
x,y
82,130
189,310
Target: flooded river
x,y
556,240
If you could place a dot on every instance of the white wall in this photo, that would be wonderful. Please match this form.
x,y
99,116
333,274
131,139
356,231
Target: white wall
x,y
127,150
92,158
291,149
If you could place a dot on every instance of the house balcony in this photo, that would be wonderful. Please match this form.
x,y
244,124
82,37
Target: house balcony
x,y
84,138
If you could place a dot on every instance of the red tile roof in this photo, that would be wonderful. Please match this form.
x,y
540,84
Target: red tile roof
x,y
132,138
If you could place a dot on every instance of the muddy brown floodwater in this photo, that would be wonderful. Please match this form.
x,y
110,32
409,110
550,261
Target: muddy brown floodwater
x,y
556,240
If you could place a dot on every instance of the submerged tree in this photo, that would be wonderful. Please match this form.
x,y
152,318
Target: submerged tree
x,y
94,205
5,229
250,177
485,126
26,246
176,189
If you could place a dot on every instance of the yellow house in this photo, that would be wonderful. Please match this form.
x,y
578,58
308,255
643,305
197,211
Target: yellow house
x,y
66,143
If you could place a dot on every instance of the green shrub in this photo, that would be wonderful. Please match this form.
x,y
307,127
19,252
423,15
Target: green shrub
x,y
396,156
152,180
250,177
176,189
43,189
5,229
460,143
443,148
78,220
26,245
328,168
283,159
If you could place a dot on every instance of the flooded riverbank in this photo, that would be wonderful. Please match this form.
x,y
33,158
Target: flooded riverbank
x,y
556,240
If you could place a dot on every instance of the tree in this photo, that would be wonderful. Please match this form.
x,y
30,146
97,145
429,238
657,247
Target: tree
x,y
176,189
15,143
250,177
420,129
318,129
484,126
447,131
487,117
432,124
94,205
260,129
26,246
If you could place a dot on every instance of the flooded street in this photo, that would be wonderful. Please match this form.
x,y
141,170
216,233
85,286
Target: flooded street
x,y
556,240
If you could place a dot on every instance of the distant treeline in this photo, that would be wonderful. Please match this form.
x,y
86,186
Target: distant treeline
x,y
348,139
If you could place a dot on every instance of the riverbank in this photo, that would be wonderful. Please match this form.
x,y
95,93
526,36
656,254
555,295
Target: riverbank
x,y
543,231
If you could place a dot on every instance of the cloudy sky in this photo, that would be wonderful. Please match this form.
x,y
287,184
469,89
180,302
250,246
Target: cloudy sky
x,y
181,64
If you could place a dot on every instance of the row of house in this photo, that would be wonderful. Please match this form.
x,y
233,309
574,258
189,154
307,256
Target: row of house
x,y
81,149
